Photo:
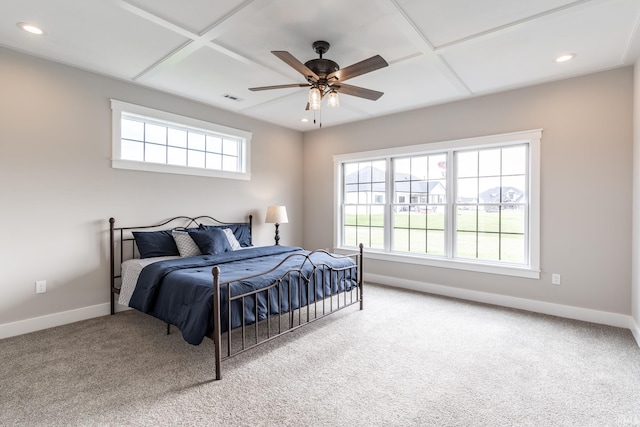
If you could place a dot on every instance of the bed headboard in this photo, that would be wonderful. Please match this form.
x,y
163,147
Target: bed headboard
x,y
123,247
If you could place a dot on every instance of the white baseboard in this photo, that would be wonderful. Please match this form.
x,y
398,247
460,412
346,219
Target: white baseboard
x,y
51,320
635,330
566,311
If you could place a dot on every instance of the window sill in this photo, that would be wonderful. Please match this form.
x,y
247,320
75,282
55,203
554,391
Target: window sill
x,y
505,270
180,170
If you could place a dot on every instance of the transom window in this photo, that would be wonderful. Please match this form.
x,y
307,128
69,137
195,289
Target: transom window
x,y
152,140
470,204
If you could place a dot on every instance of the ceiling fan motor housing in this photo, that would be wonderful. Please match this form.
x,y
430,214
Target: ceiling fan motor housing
x,y
322,67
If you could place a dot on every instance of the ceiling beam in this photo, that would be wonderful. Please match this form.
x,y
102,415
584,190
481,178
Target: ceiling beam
x,y
197,41
421,42
632,51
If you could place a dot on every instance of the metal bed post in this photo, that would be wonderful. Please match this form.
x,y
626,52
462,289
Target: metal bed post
x,y
360,271
217,327
112,255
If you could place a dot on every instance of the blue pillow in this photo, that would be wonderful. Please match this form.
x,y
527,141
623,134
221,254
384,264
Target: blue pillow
x,y
155,243
243,234
241,231
211,241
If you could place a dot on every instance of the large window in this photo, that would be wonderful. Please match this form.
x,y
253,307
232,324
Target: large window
x,y
470,204
152,140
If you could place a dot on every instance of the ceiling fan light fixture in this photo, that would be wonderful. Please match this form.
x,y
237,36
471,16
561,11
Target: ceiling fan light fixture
x,y
315,98
332,99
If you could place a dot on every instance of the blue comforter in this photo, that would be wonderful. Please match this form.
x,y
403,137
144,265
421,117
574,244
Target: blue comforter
x,y
180,291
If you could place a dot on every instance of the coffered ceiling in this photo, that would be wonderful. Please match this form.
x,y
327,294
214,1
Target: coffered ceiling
x,y
437,50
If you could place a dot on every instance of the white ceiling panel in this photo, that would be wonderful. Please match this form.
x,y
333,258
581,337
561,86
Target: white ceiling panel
x,y
597,32
446,21
437,50
207,75
300,25
193,15
92,34
428,87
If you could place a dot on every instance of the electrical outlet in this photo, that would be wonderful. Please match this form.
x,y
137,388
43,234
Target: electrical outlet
x,y
41,286
555,279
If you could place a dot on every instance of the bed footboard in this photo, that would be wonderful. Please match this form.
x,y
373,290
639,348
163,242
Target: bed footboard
x,y
296,299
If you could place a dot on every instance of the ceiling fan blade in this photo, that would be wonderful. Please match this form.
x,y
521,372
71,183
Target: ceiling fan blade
x,y
279,86
295,64
361,92
359,68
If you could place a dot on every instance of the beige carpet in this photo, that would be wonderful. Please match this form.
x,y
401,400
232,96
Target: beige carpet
x,y
407,359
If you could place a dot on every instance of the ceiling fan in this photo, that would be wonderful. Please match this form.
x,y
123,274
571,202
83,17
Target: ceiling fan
x,y
324,76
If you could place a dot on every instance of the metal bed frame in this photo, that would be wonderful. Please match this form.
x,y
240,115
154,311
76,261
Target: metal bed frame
x,y
246,337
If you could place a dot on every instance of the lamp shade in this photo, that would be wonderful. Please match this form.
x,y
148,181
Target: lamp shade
x,y
276,215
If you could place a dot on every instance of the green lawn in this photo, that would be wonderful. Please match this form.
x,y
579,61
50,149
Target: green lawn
x,y
497,235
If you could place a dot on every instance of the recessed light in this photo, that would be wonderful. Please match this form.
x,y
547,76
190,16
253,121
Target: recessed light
x,y
304,120
565,57
30,28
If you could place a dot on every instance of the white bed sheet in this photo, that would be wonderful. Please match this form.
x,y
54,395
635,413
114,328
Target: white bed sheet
x,y
130,271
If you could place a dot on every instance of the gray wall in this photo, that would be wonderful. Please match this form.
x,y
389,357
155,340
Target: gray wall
x,y
586,183
58,189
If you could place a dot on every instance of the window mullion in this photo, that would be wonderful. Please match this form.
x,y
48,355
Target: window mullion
x,y
451,194
500,209
477,233
144,142
389,196
528,201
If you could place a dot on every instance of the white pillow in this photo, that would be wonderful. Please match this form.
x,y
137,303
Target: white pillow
x,y
186,245
235,245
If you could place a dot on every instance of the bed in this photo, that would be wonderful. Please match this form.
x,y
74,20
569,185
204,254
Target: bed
x,y
206,278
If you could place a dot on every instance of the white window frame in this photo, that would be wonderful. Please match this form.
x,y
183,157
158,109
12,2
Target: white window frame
x,y
530,270
119,108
